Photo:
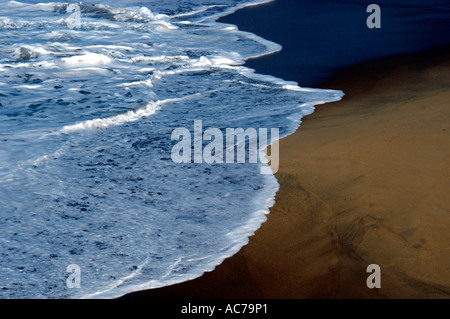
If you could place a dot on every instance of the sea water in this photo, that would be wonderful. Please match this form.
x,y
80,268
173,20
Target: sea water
x,y
86,116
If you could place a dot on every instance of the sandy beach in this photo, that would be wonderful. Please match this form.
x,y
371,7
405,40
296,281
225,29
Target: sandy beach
x,y
131,164
363,181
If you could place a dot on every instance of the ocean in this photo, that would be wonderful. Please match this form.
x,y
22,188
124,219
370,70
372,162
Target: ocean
x,y
320,37
92,202
90,95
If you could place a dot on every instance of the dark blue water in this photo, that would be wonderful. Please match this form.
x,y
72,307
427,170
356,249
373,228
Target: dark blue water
x,y
319,37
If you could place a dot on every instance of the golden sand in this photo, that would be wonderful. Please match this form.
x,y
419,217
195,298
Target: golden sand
x,y
365,180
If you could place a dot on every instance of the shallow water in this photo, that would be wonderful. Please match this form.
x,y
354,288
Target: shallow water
x,y
86,117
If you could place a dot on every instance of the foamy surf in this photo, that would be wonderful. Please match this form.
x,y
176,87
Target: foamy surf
x,y
87,115
120,119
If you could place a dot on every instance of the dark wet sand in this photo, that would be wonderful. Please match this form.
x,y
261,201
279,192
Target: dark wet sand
x,y
363,181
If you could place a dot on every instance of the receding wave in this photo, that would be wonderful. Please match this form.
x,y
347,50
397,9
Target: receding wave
x,y
120,119
87,112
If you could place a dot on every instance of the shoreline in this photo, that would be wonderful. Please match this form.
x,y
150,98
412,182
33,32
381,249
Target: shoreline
x,y
339,209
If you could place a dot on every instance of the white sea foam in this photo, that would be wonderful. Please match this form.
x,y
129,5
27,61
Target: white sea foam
x,y
87,115
87,59
120,119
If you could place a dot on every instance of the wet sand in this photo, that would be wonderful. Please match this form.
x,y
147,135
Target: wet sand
x,y
363,181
